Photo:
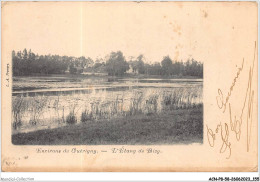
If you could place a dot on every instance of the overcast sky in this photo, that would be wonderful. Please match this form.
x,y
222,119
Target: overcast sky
x,y
180,30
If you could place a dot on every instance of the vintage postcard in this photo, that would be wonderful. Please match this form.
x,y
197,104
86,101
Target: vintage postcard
x,y
129,86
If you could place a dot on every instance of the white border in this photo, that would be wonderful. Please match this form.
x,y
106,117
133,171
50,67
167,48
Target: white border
x,y
124,176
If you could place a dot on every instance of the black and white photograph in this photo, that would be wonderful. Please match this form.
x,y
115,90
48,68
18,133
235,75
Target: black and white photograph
x,y
111,77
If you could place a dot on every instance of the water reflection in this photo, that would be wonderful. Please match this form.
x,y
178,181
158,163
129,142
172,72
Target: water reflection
x,y
50,107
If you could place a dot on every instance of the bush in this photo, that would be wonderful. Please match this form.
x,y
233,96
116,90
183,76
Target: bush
x,y
85,117
71,118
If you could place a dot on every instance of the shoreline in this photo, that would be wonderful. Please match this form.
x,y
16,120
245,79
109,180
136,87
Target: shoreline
x,y
127,75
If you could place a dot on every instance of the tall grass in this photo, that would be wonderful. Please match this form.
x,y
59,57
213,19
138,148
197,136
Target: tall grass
x,y
120,106
178,98
136,103
18,109
71,118
181,98
33,108
151,104
37,105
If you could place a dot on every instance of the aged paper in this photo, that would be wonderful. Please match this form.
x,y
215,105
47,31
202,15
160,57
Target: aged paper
x,y
127,86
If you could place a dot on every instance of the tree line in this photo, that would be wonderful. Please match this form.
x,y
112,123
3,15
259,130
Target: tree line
x,y
27,63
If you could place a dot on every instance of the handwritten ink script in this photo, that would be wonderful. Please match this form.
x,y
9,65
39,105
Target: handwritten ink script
x,y
7,74
236,121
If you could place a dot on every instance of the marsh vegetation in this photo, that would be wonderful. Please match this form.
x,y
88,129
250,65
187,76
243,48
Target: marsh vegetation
x,y
56,107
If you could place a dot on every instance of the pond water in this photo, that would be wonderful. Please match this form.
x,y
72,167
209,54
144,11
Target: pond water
x,y
49,102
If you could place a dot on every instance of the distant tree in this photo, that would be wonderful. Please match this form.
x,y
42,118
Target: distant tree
x,y
97,65
177,68
13,54
193,68
167,65
27,63
73,70
133,65
25,54
137,65
16,66
140,64
116,64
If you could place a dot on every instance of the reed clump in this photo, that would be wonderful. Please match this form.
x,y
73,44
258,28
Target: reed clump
x,y
139,103
18,109
181,98
71,118
37,105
